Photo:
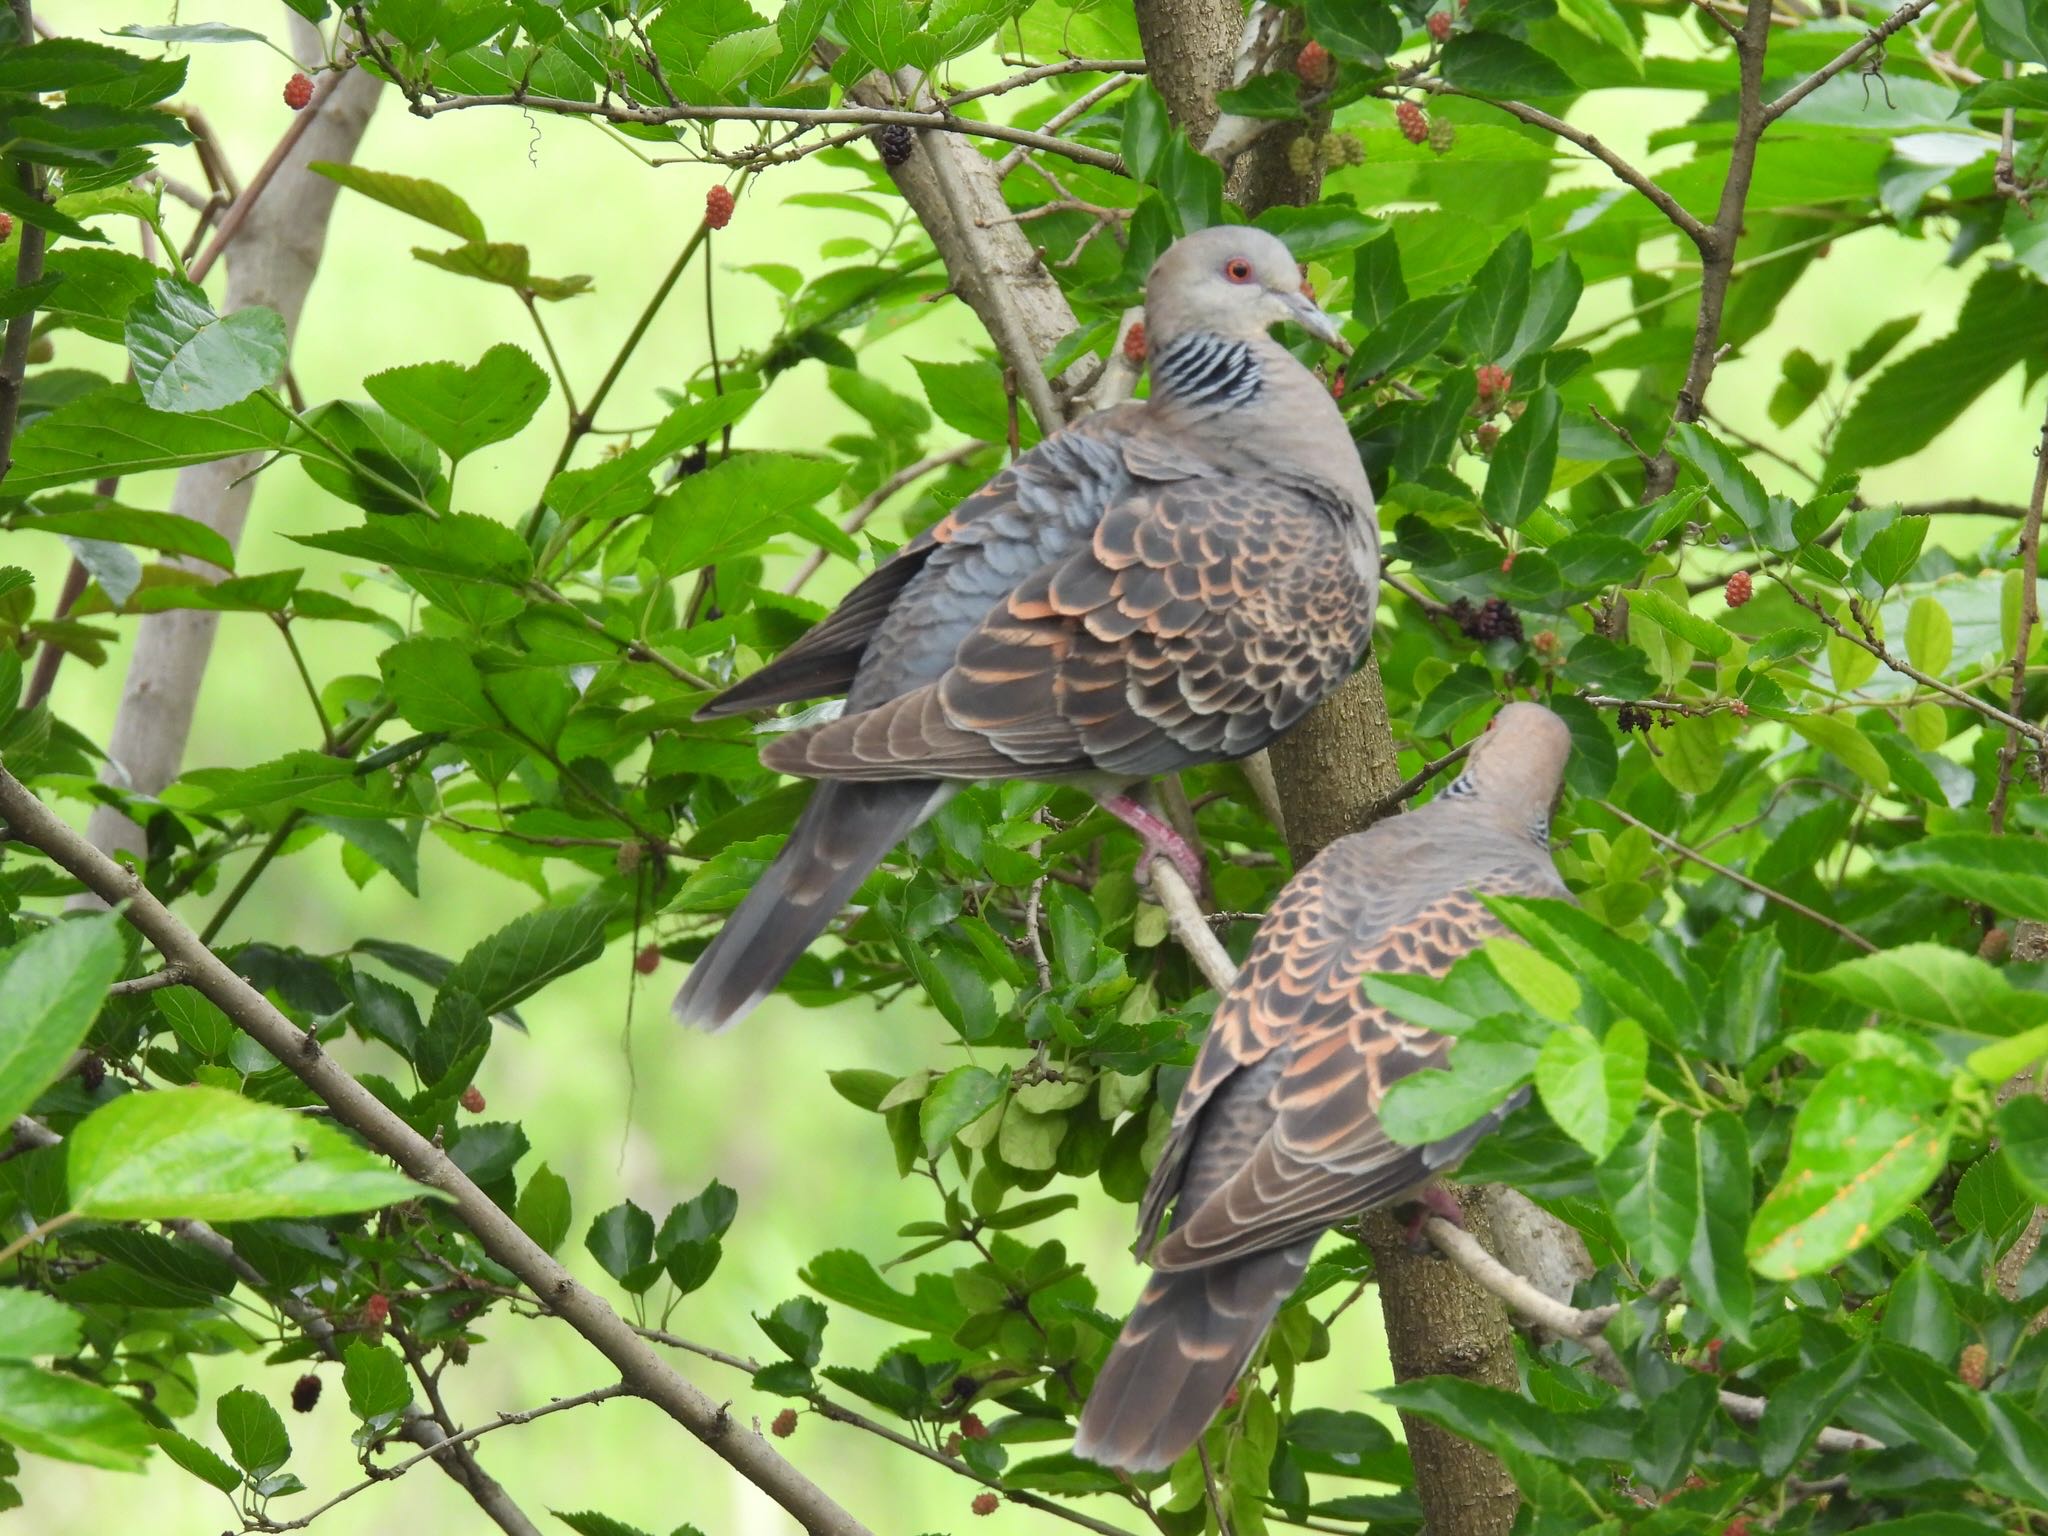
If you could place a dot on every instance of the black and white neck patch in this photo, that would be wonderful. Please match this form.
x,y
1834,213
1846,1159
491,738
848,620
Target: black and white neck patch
x,y
1202,369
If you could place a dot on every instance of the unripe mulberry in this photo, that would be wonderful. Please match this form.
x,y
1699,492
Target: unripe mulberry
x,y
972,1427
297,92
1134,344
1971,1367
784,1425
629,858
305,1393
1442,135
1439,25
1739,589
473,1099
985,1503
718,207
1995,946
1301,156
896,141
1738,709
1485,437
648,961
1314,65
91,1073
1350,149
1413,124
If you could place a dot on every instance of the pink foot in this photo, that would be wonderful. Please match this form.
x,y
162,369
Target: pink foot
x,y
1160,839
1432,1200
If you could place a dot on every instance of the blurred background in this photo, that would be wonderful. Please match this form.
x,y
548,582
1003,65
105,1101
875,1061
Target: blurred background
x,y
610,1094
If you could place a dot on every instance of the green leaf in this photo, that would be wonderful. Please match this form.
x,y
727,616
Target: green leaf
x,y
32,1325
878,34
210,1155
969,397
195,1458
1493,314
1553,300
1493,64
1431,1105
529,952
1801,379
1703,635
850,1279
1410,332
111,432
1920,396
1801,1407
92,518
1934,984
1319,232
1733,483
622,1241
2005,873
1519,476
2022,1128
735,507
1930,637
375,1380
957,1099
1507,1421
1591,1086
1623,972
437,687
2015,29
255,1434
1697,1189
187,358
53,1414
509,266
427,200
50,990
1839,739
463,409
798,1329
589,1522
1867,1143
543,1211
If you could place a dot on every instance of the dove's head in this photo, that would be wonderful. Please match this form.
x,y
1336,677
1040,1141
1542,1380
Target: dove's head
x,y
1231,281
1517,766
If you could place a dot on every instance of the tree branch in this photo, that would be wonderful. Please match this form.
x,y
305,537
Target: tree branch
x,y
875,500
1872,39
644,1373
1687,223
936,120
28,271
2030,615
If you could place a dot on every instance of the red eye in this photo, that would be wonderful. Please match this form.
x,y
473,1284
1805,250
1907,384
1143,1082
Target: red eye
x,y
1238,270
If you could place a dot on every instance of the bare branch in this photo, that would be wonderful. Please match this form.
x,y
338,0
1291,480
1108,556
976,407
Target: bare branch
x,y
2030,615
1872,39
1743,880
167,976
644,1373
1184,917
1687,223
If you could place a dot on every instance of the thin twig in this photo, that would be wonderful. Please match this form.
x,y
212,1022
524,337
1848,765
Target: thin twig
x,y
28,271
1743,880
1663,201
2030,615
1072,112
874,501
166,976
1873,38
400,1468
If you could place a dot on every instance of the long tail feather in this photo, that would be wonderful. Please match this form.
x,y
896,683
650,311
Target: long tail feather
x,y
1183,1349
843,833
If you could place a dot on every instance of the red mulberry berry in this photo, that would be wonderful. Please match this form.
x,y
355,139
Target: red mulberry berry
x,y
648,960
784,1425
1414,125
1486,437
305,1393
91,1073
6,227
1972,1365
377,1310
1738,709
473,1099
1494,382
985,1503
972,1427
1739,590
718,207
297,92
896,141
1314,65
1134,344
1439,25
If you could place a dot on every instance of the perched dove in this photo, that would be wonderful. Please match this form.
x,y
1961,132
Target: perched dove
x,y
1276,1136
1164,583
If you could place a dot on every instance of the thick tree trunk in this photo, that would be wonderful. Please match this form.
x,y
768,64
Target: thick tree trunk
x,y
272,261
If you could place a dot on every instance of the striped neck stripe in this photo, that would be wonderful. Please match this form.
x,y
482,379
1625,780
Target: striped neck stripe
x,y
1204,369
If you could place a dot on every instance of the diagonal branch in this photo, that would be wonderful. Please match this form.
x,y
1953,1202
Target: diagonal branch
x,y
643,1372
1874,38
2030,615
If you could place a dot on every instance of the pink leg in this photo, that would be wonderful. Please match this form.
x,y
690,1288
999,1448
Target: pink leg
x,y
1160,838
1432,1200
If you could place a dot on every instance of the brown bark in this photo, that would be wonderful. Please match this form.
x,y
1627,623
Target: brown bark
x,y
1189,45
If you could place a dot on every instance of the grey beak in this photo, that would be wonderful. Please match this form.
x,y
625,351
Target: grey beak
x,y
1309,316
